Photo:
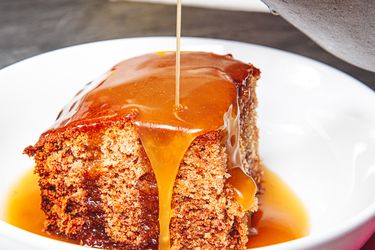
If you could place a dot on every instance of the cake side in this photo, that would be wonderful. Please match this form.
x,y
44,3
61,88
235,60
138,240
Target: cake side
x,y
249,141
105,194
206,214
227,226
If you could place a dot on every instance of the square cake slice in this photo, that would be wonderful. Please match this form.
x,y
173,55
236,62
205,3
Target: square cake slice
x,y
97,166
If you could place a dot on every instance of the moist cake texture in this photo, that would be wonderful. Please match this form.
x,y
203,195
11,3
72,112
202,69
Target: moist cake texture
x,y
97,179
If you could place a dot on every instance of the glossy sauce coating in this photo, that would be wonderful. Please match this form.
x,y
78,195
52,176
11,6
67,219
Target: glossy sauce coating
x,y
144,88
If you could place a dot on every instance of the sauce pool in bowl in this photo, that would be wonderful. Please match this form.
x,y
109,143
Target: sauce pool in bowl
x,y
281,216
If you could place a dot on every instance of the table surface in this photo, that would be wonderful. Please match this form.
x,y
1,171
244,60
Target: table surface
x,y
28,28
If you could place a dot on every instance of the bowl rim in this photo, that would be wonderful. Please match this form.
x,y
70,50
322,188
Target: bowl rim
x,y
365,215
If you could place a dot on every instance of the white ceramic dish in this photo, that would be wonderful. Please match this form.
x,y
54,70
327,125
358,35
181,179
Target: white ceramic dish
x,y
317,130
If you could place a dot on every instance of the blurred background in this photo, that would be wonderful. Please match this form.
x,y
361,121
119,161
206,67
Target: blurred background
x,y
32,27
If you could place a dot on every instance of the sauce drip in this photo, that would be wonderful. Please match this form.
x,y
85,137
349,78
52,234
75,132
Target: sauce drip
x,y
281,216
142,87
244,188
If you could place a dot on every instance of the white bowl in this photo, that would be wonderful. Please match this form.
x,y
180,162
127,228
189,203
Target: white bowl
x,y
317,130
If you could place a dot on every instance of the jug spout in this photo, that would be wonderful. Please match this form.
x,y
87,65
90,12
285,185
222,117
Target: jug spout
x,y
345,28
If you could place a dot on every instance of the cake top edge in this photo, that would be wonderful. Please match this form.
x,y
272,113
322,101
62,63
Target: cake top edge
x,y
114,95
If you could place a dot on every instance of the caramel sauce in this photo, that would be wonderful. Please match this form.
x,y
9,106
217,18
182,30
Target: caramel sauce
x,y
23,208
244,188
178,54
281,217
143,88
